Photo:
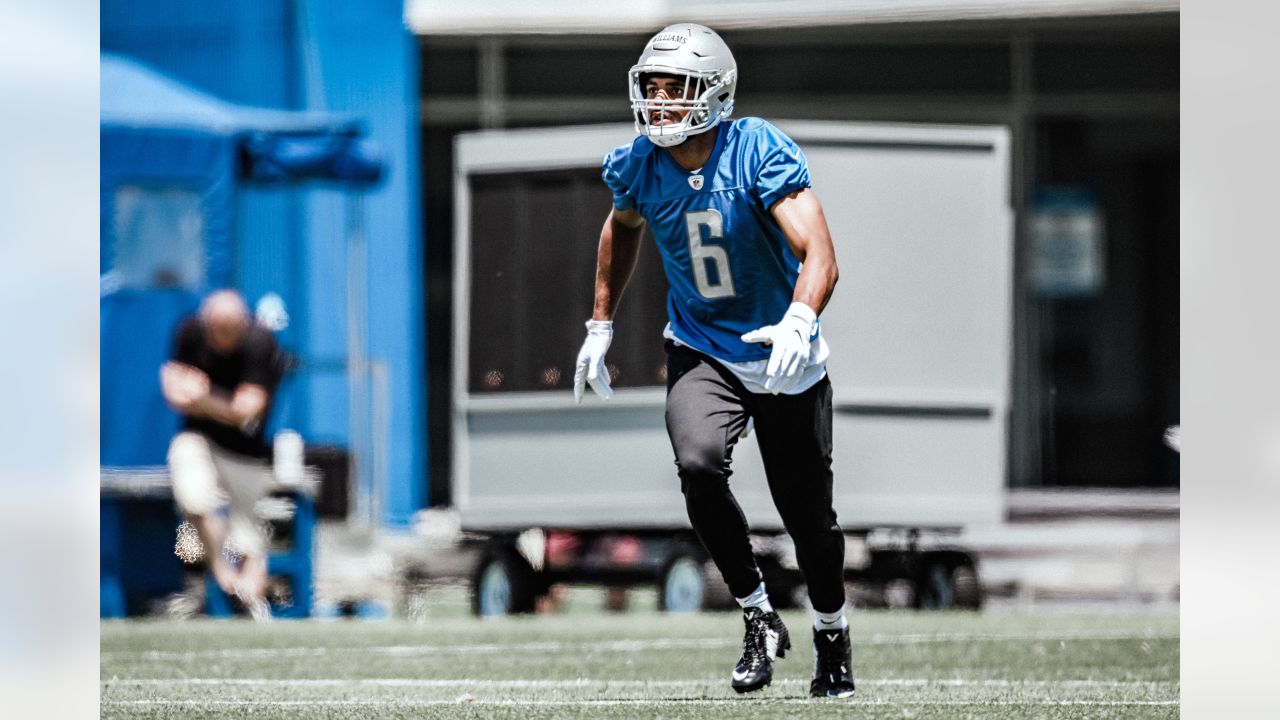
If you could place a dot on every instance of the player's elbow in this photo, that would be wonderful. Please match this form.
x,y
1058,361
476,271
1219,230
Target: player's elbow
x,y
833,274
177,405
173,397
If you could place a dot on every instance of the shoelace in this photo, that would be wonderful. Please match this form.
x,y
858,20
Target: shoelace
x,y
831,658
753,643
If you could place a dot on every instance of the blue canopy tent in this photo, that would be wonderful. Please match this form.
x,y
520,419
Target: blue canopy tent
x,y
172,162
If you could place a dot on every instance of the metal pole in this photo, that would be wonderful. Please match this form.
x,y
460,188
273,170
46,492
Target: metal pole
x,y
492,81
1025,442
380,377
357,342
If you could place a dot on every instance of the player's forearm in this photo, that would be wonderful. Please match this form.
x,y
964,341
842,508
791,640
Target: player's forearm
x,y
214,408
615,262
818,278
222,411
804,223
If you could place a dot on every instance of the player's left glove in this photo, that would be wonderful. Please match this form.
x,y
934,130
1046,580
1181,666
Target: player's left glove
x,y
790,341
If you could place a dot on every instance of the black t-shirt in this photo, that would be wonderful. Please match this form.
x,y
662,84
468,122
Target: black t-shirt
x,y
257,361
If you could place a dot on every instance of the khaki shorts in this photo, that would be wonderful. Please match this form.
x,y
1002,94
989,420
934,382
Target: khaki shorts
x,y
206,478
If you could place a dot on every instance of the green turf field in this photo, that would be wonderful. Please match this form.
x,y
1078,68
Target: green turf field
x,y
640,664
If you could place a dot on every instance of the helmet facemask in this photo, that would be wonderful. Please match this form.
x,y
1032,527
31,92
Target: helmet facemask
x,y
707,99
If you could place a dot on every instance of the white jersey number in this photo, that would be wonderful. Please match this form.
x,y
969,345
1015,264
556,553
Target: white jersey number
x,y
700,254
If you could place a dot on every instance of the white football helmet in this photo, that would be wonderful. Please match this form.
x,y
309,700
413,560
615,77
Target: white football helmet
x,y
697,54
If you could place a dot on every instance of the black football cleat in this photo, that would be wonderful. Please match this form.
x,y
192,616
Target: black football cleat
x,y
832,664
766,638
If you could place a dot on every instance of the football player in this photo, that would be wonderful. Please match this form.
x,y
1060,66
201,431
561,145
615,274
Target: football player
x,y
750,263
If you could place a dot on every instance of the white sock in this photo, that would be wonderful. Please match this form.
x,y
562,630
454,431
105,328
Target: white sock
x,y
757,599
830,621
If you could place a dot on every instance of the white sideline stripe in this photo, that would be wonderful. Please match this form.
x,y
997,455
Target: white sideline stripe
x,y
589,682
614,646
570,703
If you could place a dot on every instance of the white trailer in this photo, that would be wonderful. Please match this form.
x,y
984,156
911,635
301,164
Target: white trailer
x,y
920,335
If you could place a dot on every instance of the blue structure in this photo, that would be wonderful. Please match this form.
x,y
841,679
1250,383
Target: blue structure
x,y
137,564
327,62
174,165
172,160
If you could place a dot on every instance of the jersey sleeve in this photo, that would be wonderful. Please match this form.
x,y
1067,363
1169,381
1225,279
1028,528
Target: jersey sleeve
x,y
612,171
784,168
262,366
186,342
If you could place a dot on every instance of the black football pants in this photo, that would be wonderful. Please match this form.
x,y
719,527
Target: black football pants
x,y
707,410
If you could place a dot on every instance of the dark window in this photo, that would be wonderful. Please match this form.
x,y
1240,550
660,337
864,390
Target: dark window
x,y
550,72
533,258
839,69
449,70
1096,67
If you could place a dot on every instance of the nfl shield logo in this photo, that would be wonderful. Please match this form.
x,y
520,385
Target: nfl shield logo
x,y
695,182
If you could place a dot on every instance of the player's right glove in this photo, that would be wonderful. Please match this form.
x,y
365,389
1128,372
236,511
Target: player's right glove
x,y
591,366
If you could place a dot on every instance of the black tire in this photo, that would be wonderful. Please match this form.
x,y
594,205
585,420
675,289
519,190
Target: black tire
x,y
948,581
717,596
900,593
682,584
967,587
933,588
503,584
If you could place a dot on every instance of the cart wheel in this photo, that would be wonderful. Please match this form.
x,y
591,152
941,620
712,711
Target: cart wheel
x,y
682,586
935,591
503,584
968,590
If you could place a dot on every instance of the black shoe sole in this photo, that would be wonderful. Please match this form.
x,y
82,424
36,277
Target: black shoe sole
x,y
830,694
741,689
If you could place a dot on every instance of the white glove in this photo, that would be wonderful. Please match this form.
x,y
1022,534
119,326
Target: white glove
x,y
591,360
790,341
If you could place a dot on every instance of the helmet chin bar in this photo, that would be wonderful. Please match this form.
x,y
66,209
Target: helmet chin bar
x,y
667,140
670,135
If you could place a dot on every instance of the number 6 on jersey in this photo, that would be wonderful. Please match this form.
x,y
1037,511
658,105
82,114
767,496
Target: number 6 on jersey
x,y
700,253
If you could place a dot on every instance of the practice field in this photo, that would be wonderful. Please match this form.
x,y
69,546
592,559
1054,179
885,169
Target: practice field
x,y
639,665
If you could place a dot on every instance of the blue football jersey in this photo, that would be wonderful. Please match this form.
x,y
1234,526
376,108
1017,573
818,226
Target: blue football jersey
x,y
727,261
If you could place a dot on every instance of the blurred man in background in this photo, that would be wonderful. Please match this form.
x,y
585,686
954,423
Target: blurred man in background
x,y
750,263
221,378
